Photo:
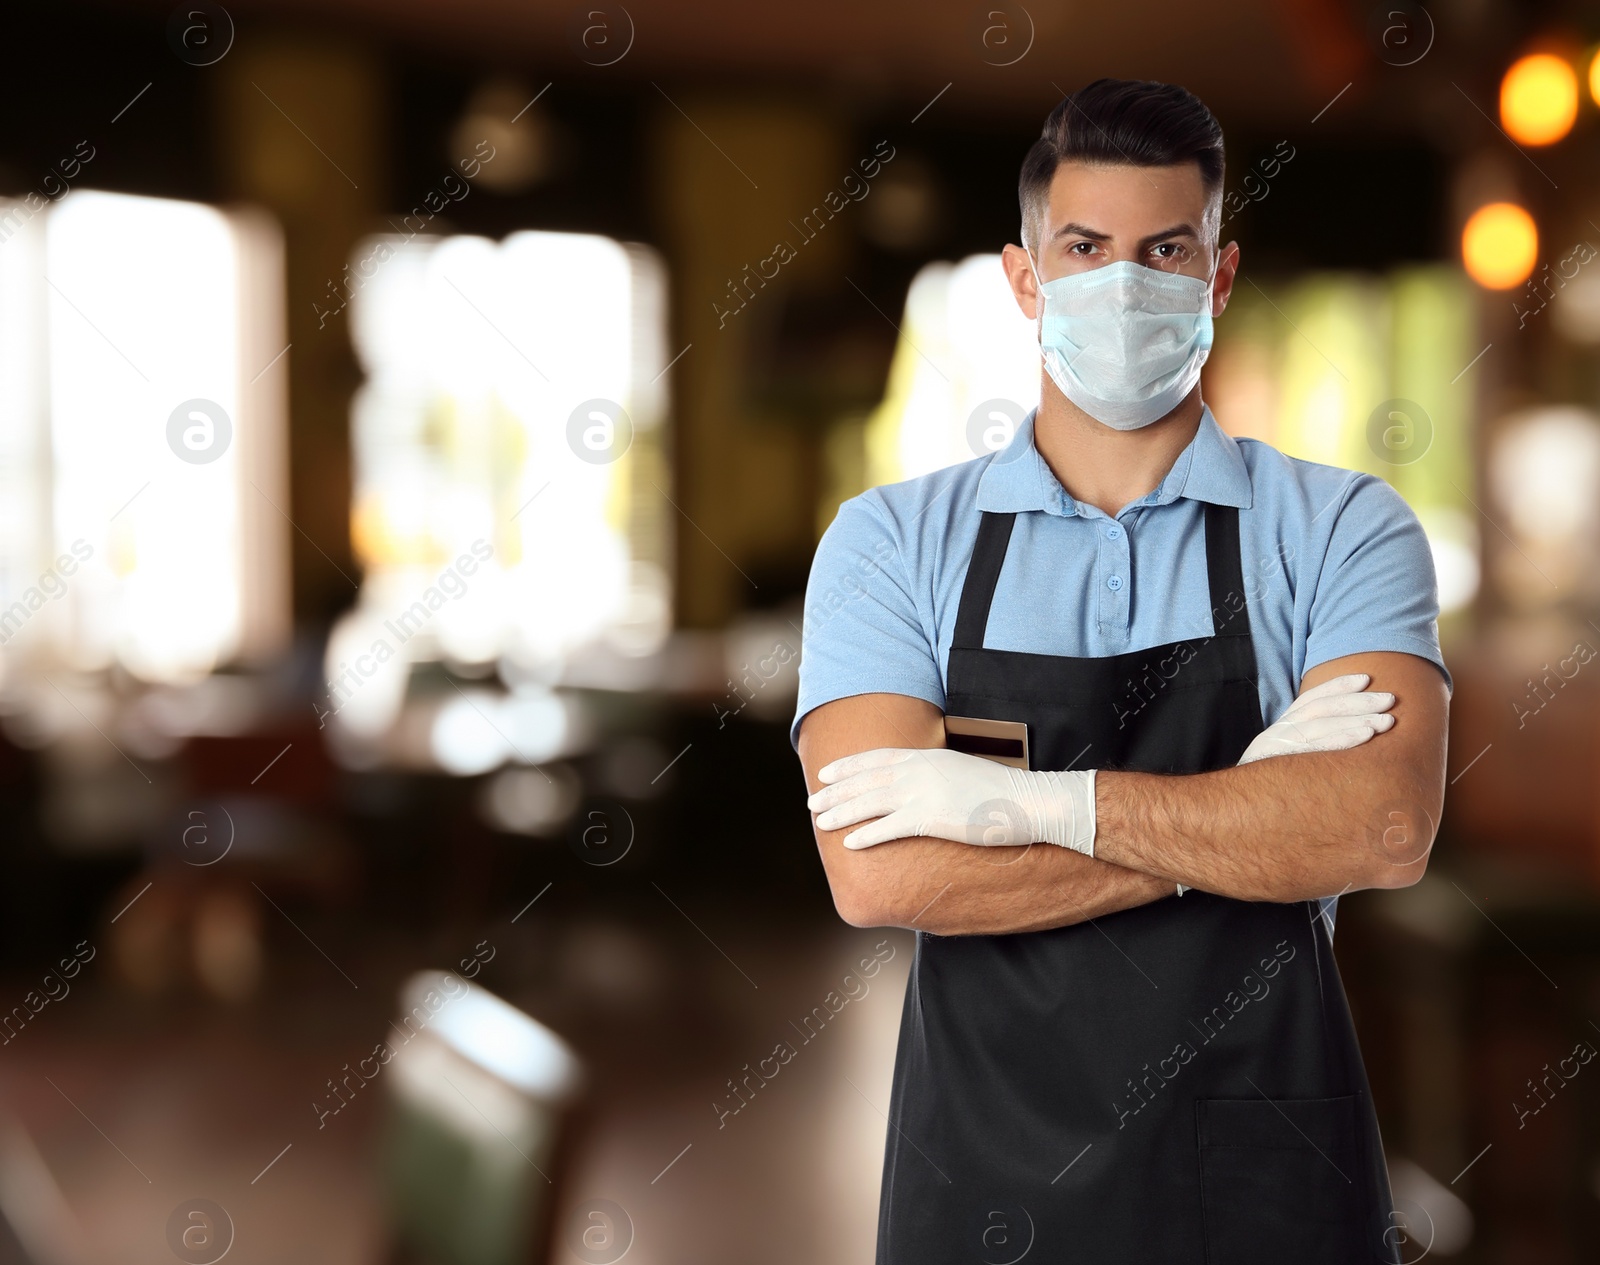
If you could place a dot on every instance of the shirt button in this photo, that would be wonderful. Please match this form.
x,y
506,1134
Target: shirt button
x,y
1113,533
1114,582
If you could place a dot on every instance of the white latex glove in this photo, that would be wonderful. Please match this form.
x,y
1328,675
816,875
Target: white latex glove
x,y
1335,716
952,795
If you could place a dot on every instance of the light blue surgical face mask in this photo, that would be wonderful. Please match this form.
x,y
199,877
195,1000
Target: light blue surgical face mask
x,y
1124,342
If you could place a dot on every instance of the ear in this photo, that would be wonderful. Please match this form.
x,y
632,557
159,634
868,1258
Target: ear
x,y
1227,268
1024,286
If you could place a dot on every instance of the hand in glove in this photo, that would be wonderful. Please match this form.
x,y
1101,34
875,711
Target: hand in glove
x,y
1335,716
952,795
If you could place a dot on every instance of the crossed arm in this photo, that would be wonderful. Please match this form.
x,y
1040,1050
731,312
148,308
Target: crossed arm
x,y
1281,829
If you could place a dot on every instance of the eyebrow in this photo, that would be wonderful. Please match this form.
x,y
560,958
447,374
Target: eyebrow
x,y
1073,229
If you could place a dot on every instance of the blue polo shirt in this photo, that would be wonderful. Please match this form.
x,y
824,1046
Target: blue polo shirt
x,y
1335,563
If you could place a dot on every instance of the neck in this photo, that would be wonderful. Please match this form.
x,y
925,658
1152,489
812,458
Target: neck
x,y
1109,468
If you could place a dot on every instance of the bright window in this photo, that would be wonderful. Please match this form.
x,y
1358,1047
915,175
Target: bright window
x,y
511,416
142,432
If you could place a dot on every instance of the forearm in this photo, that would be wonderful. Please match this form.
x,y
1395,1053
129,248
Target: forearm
x,y
1286,829
952,889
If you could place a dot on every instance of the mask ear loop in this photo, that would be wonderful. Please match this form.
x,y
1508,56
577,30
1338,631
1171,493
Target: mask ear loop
x,y
1038,287
1038,290
1211,281
1211,292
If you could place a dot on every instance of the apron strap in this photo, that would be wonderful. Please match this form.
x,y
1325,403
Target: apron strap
x,y
983,573
1230,606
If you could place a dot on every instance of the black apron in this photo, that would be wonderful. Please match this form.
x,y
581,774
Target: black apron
x,y
1174,1083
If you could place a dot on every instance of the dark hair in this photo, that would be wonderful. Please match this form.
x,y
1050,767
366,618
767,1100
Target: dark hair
x,y
1134,122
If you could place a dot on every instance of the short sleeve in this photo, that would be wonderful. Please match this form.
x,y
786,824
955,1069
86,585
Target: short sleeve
x,y
1377,589
862,632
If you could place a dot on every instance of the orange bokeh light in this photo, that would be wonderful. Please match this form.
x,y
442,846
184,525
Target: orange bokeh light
x,y
1594,77
1539,99
1499,245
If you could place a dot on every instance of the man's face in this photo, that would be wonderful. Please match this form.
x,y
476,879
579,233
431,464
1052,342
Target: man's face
x,y
1096,215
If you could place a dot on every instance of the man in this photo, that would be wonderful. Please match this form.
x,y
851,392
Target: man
x,y
1130,1043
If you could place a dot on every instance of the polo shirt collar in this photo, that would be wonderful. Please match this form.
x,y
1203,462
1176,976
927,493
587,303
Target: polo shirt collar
x,y
1210,468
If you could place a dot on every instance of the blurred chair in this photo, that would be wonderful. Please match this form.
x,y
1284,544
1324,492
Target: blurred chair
x,y
478,1109
37,1225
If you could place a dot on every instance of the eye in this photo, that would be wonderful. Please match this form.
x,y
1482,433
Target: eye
x,y
1081,248
1168,251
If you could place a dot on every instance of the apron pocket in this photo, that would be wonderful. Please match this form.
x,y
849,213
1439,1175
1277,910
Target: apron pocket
x,y
1281,1180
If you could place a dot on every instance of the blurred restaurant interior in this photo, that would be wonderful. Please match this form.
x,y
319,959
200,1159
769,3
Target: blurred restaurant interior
x,y
416,421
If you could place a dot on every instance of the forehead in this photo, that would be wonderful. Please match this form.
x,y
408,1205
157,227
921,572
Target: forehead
x,y
1122,199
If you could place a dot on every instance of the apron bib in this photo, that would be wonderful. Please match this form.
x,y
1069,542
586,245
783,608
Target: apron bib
x,y
1174,1083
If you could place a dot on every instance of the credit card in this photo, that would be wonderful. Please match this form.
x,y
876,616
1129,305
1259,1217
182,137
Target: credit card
x,y
1003,741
